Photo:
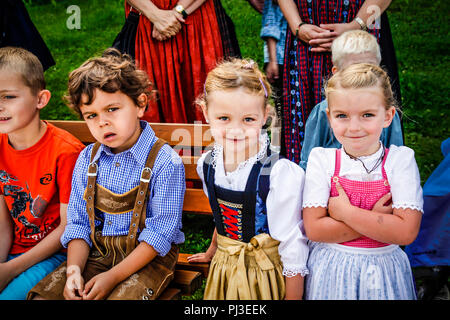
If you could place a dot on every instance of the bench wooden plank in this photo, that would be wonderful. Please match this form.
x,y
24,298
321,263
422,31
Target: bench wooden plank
x,y
170,294
190,167
180,134
195,201
187,281
77,128
176,134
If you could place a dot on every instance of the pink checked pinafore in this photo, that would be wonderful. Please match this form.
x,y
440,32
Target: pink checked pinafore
x,y
363,268
363,194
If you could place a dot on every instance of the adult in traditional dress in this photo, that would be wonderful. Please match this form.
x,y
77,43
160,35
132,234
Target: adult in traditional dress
x,y
177,44
313,25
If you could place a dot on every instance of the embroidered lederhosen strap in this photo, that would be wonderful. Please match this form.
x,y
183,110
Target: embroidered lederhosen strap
x,y
101,198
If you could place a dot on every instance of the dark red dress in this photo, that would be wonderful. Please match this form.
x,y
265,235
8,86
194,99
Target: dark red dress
x,y
178,66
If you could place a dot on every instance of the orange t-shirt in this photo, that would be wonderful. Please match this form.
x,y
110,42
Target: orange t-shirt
x,y
35,181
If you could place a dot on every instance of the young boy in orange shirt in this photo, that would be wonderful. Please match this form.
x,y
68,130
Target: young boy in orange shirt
x,y
36,163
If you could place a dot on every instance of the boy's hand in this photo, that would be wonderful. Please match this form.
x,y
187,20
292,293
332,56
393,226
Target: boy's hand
x,y
272,72
99,287
337,206
73,289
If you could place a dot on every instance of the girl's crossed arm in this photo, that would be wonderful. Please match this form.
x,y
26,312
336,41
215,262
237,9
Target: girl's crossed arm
x,y
319,226
329,229
400,228
403,225
166,23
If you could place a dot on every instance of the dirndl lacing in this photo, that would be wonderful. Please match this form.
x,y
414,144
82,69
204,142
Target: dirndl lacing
x,y
339,272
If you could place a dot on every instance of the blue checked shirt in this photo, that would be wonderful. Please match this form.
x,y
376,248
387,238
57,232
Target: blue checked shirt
x,y
120,173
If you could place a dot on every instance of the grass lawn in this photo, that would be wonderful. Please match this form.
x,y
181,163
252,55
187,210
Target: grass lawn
x,y
423,58
420,35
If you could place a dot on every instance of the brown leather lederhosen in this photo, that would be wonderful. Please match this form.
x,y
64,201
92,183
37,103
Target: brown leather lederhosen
x,y
107,251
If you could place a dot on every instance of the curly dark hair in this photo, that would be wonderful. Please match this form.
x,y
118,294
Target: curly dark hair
x,y
111,72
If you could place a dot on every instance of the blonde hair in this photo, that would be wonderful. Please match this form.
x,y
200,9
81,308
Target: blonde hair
x,y
234,74
359,76
24,63
353,42
111,72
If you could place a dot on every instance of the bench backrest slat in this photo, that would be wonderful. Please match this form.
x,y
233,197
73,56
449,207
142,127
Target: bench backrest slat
x,y
195,201
176,134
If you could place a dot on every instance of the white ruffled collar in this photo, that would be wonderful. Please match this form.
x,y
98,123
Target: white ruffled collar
x,y
217,156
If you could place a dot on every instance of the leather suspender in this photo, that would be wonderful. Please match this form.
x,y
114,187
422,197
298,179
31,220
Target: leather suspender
x,y
138,219
90,194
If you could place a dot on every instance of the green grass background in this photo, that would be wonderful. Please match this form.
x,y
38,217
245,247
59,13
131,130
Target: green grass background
x,y
421,39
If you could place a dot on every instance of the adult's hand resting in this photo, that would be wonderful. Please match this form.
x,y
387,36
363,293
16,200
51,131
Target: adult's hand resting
x,y
166,24
315,36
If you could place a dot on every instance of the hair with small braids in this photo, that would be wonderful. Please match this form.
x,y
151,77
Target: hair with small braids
x,y
359,76
233,74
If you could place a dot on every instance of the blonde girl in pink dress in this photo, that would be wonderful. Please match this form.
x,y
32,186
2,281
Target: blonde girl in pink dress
x,y
361,202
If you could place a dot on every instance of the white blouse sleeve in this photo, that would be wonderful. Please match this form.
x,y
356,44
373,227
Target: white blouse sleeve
x,y
318,177
284,216
404,178
200,171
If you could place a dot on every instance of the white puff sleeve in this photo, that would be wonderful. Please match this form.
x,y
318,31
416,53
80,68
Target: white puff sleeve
x,y
285,222
404,178
318,177
200,171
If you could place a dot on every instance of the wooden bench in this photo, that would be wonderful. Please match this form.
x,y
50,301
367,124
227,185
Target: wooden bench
x,y
189,140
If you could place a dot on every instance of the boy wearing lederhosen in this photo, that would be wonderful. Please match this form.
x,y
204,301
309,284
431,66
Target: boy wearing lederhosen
x,y
124,214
